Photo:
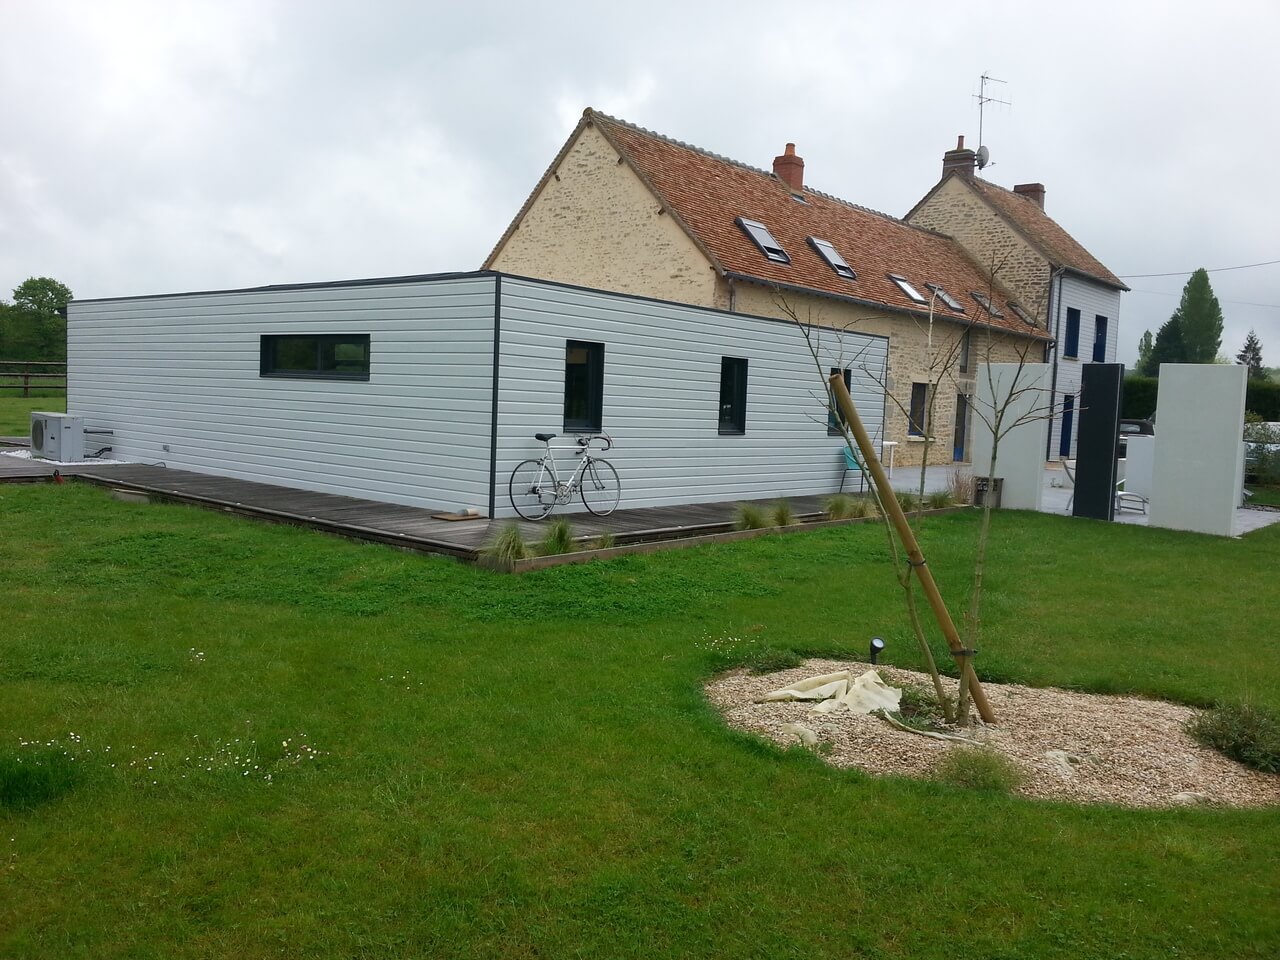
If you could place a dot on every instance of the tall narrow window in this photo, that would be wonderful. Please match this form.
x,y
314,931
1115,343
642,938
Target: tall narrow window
x,y
1099,339
1068,421
919,410
733,395
583,386
835,422
330,356
1071,346
964,351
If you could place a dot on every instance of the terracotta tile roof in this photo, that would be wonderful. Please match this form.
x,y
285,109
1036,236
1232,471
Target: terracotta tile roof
x,y
1059,247
707,193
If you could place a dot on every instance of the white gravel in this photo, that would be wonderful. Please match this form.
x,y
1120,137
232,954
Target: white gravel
x,y
1077,747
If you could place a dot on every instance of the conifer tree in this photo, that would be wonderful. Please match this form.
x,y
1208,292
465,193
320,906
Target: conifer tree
x,y
1251,356
1199,316
1168,347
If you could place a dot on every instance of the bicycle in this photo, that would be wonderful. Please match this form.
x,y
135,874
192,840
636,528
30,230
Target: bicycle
x,y
536,488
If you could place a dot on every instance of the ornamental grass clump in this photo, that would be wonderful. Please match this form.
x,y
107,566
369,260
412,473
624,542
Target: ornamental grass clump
x,y
506,548
559,539
750,517
1244,732
839,506
978,768
783,515
938,499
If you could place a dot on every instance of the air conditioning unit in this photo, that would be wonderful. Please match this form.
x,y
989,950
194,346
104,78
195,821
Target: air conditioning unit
x,y
57,436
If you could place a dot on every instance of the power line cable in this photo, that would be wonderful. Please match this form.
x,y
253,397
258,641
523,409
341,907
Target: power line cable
x,y
1238,303
1187,273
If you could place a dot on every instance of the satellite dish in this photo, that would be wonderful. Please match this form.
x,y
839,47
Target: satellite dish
x,y
984,157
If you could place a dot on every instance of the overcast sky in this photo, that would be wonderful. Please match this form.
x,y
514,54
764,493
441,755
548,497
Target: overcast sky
x,y
158,147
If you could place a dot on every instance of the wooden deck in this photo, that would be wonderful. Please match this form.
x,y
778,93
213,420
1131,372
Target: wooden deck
x,y
407,527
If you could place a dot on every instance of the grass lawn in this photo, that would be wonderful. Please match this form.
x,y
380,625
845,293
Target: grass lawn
x,y
1267,496
15,411
524,766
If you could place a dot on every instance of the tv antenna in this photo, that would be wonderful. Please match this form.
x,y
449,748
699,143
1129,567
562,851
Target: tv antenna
x,y
983,98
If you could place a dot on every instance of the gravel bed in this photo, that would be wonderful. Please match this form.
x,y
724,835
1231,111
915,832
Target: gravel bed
x,y
1077,747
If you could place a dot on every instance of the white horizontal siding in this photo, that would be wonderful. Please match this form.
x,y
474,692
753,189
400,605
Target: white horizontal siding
x,y
1092,300
661,395
183,371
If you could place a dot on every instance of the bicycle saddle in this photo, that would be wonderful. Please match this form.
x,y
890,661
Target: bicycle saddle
x,y
544,436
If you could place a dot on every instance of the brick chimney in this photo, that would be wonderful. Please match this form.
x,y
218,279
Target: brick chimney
x,y
789,168
1032,191
960,160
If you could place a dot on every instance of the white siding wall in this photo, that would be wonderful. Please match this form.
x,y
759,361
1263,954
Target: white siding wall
x,y
1092,300
661,395
183,371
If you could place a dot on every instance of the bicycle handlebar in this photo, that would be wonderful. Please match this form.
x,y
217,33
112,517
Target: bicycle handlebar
x,y
585,442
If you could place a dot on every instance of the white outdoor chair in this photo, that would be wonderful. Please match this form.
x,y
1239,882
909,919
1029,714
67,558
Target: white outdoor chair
x,y
1069,467
1133,501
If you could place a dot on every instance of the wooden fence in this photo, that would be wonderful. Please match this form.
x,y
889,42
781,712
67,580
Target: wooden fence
x,y
19,375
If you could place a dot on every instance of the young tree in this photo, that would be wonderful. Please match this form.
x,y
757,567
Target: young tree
x,y
1168,348
1145,346
1251,356
1199,318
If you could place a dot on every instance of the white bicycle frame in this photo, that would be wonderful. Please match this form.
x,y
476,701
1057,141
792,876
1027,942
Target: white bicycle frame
x,y
547,464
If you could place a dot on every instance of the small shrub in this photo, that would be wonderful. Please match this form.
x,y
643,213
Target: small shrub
x,y
977,768
33,777
907,500
783,515
961,486
604,541
559,539
920,708
1243,732
864,507
938,499
507,547
839,506
750,517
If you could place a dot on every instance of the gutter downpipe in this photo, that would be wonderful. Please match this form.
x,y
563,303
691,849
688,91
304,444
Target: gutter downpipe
x,y
733,295
1055,295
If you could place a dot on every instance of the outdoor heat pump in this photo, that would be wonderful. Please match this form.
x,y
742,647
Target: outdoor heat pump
x,y
57,436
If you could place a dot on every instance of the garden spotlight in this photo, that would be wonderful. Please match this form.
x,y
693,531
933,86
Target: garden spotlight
x,y
877,645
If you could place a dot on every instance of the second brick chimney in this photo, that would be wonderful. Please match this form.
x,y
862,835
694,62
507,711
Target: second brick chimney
x,y
789,168
960,160
1032,191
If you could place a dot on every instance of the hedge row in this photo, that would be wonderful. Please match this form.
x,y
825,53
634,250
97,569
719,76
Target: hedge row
x,y
1262,397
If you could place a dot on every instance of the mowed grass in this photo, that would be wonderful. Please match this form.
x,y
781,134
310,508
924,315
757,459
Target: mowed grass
x,y
15,410
525,766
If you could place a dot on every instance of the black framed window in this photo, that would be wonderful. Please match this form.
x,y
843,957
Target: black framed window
x,y
763,239
329,356
965,339
583,386
835,421
1099,339
1071,346
733,395
919,410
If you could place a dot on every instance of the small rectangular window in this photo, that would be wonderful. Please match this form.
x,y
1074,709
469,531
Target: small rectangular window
x,y
905,286
1022,314
1099,339
919,410
332,356
836,422
583,387
763,239
1071,346
733,395
985,302
826,249
945,297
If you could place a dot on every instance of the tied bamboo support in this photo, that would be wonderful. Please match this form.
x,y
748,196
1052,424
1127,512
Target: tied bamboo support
x,y
844,403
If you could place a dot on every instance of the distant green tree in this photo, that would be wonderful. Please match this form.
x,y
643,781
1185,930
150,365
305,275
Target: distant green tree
x,y
1251,356
1167,348
34,326
44,295
1199,315
1144,352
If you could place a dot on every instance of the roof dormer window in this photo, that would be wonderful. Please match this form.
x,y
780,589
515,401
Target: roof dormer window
x,y
1022,314
986,304
763,239
945,297
905,286
826,249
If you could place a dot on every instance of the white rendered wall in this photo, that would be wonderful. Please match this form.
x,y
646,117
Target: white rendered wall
x,y
1197,471
1139,465
1020,456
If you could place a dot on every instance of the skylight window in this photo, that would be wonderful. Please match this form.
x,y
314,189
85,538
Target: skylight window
x,y
829,253
946,298
985,303
763,239
905,286
1022,314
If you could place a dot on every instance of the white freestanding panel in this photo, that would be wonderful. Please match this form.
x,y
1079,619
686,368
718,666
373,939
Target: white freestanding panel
x,y
1020,455
1197,468
1139,465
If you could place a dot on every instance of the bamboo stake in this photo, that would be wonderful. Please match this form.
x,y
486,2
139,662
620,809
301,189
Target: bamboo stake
x,y
887,497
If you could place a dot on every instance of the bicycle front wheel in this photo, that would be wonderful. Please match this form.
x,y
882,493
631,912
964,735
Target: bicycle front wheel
x,y
532,490
601,488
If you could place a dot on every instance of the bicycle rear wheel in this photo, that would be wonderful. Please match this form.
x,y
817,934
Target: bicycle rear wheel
x,y
532,490
601,489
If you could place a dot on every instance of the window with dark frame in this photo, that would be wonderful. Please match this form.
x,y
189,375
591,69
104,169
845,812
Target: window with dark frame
x,y
827,250
946,298
329,356
763,239
835,420
1071,346
733,395
965,339
1022,314
985,302
583,386
1099,339
908,288
919,410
